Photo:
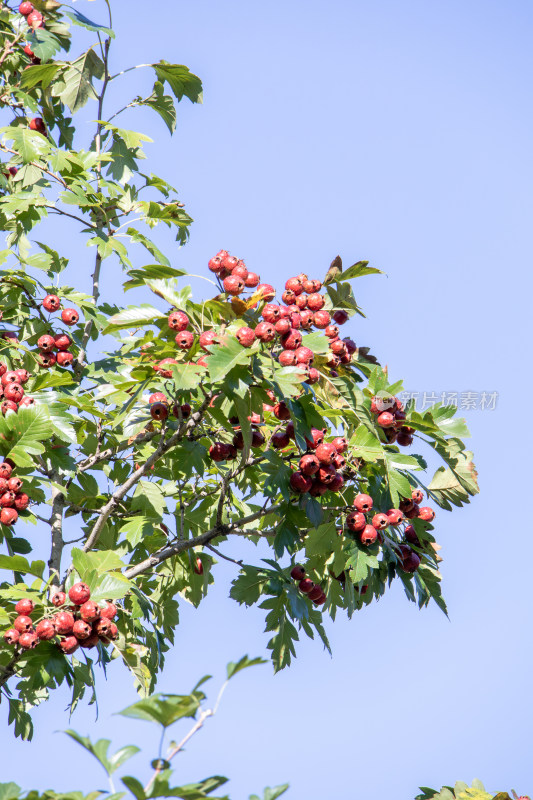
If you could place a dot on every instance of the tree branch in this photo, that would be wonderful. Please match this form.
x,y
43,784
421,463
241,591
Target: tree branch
x,y
172,550
56,523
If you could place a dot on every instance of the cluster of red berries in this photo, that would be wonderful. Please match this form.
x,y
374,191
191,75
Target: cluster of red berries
x,y
370,532
54,348
235,276
390,416
160,407
84,623
12,498
11,389
34,18
317,471
313,590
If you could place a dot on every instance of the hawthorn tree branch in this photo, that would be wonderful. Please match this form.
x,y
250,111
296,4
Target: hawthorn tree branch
x,y
204,538
56,524
164,446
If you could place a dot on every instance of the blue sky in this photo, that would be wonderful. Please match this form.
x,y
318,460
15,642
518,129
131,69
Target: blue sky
x,y
398,133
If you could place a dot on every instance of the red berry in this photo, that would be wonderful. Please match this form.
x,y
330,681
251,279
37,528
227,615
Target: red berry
x,y
219,451
337,483
5,470
64,359
233,285
427,514
363,502
252,280
395,516
318,489
69,644
340,317
92,641
315,302
281,411
89,611
326,474
288,297
23,623
78,594
178,321
11,636
28,640
417,495
208,338
215,264
309,464
159,411
109,611
287,358
46,360
291,340
45,630
340,444
355,521
315,592
385,420
36,20
298,572
184,340
409,560
283,326
266,291
23,376
306,318
332,331
412,513
321,319
380,521
59,599
301,301
304,355
25,9
102,627
26,401
70,316
404,439
81,629
25,606
306,585
326,453
313,376
46,343
317,437
368,535
62,341
271,313
265,331
63,622
280,440
7,500
245,336
411,536
9,377
51,302
296,320
8,516
339,462
300,483
14,392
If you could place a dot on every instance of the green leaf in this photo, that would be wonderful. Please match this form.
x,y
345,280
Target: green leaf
x,y
9,791
226,356
80,19
99,751
133,317
75,88
23,433
164,708
234,667
247,587
180,79
162,104
357,270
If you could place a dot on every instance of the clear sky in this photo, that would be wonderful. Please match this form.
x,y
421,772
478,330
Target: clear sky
x,y
398,132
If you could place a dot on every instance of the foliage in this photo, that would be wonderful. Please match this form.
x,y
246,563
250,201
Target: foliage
x,y
461,791
155,511
164,711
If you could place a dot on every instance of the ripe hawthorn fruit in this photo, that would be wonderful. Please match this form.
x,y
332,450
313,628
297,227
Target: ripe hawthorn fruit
x,y
298,572
427,514
45,630
355,521
363,502
245,336
300,483
306,585
78,594
368,535
25,606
